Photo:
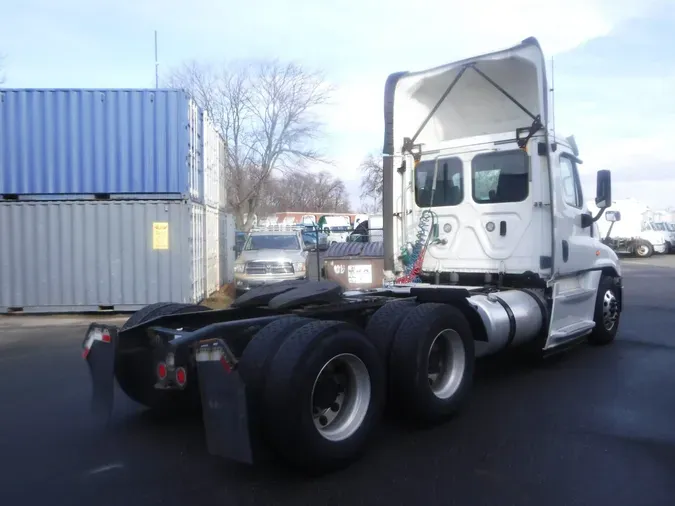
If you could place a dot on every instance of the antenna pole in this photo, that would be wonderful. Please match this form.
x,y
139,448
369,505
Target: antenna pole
x,y
553,97
156,63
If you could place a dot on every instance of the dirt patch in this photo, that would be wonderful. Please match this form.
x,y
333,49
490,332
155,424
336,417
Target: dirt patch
x,y
221,299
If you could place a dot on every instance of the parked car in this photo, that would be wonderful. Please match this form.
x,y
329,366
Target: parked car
x,y
270,256
309,237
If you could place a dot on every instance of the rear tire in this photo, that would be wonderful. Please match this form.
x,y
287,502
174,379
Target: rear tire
x,y
257,357
384,323
135,372
324,396
606,315
432,362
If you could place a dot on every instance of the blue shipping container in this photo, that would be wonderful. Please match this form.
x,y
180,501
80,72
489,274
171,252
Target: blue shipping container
x,y
79,142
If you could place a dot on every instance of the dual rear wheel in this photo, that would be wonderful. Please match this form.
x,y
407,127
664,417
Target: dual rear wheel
x,y
316,390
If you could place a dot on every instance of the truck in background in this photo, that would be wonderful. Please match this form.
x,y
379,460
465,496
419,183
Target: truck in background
x,y
337,228
665,229
627,232
486,247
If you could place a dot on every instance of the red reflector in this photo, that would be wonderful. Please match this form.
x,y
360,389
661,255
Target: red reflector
x,y
85,353
226,366
161,370
181,376
105,337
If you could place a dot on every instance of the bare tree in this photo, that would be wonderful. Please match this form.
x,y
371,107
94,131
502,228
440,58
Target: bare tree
x,y
305,191
266,113
371,181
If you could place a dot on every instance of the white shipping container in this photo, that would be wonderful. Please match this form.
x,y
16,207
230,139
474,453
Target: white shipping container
x,y
76,256
198,238
195,151
214,164
212,241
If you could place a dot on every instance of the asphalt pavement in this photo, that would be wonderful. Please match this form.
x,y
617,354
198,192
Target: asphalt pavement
x,y
594,427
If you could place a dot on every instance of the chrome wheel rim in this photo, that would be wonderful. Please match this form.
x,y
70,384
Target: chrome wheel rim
x,y
446,364
643,250
610,310
340,397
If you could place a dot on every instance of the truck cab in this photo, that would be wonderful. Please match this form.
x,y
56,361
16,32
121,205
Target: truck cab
x,y
472,158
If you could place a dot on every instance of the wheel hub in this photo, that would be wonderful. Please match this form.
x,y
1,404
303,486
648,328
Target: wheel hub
x,y
446,363
340,397
610,310
326,391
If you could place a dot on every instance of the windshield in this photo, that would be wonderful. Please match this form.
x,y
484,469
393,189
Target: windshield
x,y
658,226
309,238
272,241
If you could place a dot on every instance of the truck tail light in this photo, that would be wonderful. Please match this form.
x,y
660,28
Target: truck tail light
x,y
161,370
181,376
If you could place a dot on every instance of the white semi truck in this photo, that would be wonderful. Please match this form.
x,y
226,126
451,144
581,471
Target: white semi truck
x,y
627,231
488,247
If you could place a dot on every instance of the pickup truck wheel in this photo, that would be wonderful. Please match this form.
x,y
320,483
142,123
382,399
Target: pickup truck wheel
x,y
607,313
135,372
384,323
324,396
432,362
644,250
257,357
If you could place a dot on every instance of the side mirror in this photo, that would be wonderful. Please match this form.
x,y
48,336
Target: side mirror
x,y
613,216
603,192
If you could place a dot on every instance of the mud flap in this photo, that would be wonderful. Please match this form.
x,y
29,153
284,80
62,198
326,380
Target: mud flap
x,y
98,349
224,407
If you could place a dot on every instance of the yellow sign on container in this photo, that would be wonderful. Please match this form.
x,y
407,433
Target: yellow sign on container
x,y
160,235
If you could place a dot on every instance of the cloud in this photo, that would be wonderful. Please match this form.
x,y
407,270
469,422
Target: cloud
x,y
612,56
588,101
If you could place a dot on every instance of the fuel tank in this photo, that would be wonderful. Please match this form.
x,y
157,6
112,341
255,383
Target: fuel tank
x,y
511,318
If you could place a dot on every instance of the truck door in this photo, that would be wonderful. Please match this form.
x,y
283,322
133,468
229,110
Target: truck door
x,y
575,289
575,248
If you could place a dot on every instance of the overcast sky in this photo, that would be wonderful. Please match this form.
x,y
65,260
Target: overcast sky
x,y
614,61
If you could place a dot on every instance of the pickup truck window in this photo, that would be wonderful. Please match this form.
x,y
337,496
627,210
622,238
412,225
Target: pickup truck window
x,y
500,177
449,183
272,241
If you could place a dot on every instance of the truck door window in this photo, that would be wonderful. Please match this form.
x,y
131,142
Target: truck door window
x,y
571,186
500,177
449,183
